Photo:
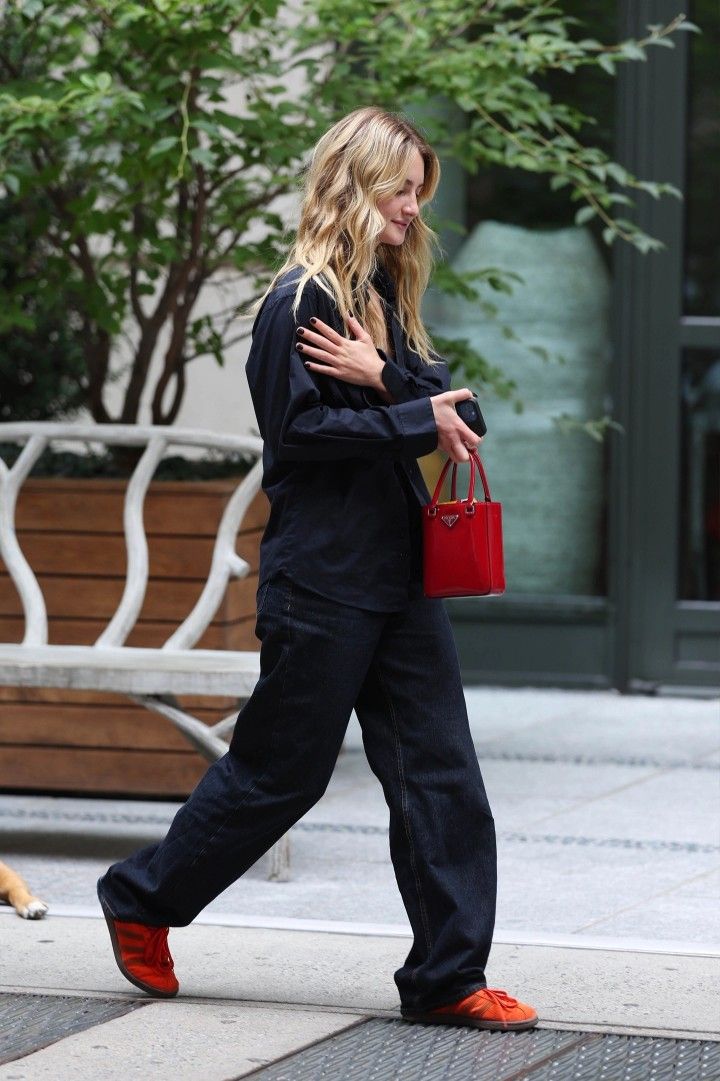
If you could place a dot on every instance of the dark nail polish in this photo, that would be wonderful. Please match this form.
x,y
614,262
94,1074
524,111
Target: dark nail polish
x,y
313,320
300,330
300,348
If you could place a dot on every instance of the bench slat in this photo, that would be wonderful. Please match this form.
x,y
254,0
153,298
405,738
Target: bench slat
x,y
131,670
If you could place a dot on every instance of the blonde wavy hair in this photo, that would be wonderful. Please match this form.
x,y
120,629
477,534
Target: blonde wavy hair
x,y
359,161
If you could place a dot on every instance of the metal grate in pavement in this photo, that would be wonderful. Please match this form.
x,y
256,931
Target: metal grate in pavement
x,y
30,1022
635,1058
381,1050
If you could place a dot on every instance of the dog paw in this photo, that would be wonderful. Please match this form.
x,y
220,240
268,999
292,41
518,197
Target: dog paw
x,y
33,910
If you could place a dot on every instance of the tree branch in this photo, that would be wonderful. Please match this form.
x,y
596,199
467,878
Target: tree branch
x,y
171,416
135,302
224,177
96,346
187,277
174,362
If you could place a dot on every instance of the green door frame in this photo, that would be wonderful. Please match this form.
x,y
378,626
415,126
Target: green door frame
x,y
640,638
659,642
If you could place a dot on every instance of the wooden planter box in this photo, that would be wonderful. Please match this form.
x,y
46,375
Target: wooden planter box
x,y
71,532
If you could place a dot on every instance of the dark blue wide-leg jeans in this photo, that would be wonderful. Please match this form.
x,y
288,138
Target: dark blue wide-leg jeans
x,y
318,660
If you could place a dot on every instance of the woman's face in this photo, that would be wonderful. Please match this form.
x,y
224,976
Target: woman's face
x,y
400,209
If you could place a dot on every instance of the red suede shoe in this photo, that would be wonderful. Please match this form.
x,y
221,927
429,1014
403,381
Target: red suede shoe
x,y
142,955
485,1008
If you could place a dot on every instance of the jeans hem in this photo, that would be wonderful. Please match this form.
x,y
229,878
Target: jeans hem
x,y
456,996
105,904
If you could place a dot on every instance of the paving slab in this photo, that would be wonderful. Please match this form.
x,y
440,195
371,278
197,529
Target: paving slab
x,y
179,1041
599,722
698,899
576,885
31,1021
593,989
605,803
608,844
649,807
545,782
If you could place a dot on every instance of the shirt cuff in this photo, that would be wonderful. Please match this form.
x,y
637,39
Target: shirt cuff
x,y
395,384
417,420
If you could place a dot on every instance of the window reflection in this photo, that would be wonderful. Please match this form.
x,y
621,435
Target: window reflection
x,y
553,484
699,548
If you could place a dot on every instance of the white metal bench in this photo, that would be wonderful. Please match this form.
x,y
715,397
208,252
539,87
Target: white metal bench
x,y
152,677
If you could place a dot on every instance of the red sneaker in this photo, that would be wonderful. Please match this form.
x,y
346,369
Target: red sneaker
x,y
142,955
485,1008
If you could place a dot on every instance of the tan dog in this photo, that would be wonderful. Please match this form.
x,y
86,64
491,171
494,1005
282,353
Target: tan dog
x,y
14,889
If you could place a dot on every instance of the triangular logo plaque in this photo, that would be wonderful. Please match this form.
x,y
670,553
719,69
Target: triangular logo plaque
x,y
449,519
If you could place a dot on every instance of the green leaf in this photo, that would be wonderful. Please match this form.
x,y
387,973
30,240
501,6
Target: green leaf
x,y
633,51
559,181
617,172
202,156
585,213
670,189
163,145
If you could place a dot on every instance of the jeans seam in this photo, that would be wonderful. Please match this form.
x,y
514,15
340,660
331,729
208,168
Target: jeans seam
x,y
406,817
261,598
261,776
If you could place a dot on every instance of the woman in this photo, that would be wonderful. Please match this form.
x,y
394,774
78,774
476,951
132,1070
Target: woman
x,y
348,393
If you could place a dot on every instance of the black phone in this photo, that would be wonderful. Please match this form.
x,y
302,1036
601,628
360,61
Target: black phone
x,y
469,412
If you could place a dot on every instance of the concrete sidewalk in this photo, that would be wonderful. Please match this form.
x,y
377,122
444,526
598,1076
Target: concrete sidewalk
x,y
607,809
250,995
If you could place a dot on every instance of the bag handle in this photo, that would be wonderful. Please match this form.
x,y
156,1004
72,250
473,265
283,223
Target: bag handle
x,y
474,461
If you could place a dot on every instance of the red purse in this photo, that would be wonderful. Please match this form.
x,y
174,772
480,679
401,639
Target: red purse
x,y
462,541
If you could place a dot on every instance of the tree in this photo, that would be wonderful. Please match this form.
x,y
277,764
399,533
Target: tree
x,y
161,133
42,369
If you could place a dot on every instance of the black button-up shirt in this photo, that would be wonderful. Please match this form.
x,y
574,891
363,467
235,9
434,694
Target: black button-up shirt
x,y
339,465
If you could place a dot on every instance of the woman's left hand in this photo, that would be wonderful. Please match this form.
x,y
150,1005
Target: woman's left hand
x,y
354,361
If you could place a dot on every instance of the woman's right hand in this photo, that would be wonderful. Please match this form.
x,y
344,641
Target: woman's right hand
x,y
454,436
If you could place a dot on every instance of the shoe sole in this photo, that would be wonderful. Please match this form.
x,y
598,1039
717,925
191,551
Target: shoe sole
x,y
147,987
470,1022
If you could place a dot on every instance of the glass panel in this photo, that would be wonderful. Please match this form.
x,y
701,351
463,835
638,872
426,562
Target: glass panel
x,y
552,483
701,287
699,547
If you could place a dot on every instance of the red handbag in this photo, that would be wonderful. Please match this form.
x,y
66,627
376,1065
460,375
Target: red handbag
x,y
462,541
